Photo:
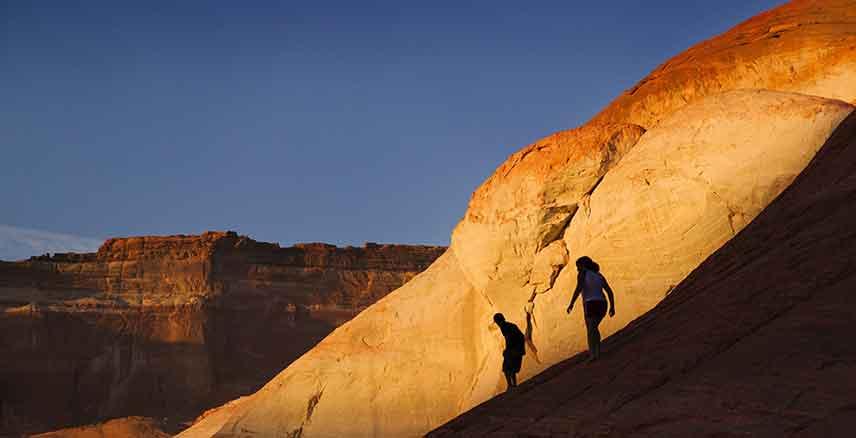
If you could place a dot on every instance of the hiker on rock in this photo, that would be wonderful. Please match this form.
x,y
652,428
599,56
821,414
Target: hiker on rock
x,y
591,284
512,356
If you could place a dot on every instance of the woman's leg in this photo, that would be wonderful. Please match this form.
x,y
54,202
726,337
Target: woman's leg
x,y
594,314
596,336
593,338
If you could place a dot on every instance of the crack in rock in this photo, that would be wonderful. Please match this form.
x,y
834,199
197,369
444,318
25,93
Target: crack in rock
x,y
555,222
313,402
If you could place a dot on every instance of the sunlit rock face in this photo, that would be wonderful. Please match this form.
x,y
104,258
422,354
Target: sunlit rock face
x,y
410,362
651,187
689,185
170,326
748,344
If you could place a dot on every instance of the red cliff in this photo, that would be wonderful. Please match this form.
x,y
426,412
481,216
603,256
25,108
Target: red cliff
x,y
168,326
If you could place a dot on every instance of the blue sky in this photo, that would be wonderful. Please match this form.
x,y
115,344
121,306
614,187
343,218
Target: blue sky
x,y
340,122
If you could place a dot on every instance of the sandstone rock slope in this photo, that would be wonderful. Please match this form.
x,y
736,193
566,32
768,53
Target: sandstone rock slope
x,y
755,342
652,186
170,326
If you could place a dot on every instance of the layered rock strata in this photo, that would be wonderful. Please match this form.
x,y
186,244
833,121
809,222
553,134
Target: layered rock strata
x,y
168,326
653,185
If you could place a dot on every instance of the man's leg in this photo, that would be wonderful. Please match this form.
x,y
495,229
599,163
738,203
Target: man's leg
x,y
509,380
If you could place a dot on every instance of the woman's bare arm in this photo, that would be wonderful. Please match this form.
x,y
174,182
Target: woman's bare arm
x,y
611,297
577,291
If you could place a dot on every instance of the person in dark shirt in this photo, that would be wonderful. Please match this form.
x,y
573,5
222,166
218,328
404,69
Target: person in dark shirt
x,y
512,356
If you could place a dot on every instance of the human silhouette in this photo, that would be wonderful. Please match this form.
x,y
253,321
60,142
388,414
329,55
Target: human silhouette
x,y
591,283
515,349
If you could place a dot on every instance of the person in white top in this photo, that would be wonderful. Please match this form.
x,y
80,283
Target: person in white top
x,y
592,284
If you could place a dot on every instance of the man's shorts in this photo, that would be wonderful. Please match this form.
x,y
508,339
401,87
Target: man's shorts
x,y
511,362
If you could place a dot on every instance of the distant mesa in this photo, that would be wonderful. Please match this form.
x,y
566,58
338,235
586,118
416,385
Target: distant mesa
x,y
169,326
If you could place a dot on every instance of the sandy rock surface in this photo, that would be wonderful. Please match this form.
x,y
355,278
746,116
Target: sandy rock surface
x,y
686,188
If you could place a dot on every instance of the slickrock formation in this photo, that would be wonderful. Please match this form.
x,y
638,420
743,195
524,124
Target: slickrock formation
x,y
652,186
170,326
755,342
687,187
647,245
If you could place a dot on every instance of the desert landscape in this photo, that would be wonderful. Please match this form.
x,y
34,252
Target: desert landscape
x,y
166,327
651,187
717,195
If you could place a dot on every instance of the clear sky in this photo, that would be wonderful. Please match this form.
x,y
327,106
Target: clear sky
x,y
340,122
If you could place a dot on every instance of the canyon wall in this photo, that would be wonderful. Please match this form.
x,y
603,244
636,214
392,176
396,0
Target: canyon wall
x,y
653,185
168,326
